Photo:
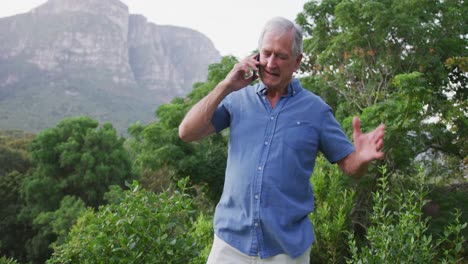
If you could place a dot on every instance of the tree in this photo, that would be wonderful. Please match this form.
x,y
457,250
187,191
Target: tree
x,y
14,165
357,49
59,222
13,232
13,152
76,159
402,63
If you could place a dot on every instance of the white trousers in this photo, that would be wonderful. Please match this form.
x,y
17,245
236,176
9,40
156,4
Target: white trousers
x,y
223,253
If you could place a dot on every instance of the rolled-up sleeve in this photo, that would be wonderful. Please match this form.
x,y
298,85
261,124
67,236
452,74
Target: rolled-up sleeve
x,y
221,118
333,141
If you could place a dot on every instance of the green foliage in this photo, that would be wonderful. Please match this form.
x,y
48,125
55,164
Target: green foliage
x,y
115,195
397,62
367,43
76,158
72,157
12,160
13,233
398,233
387,62
203,232
13,151
218,71
59,222
440,206
334,200
5,260
14,165
400,112
144,228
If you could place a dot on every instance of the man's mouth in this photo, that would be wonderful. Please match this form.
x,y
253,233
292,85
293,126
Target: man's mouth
x,y
272,73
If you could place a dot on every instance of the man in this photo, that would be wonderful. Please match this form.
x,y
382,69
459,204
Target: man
x,y
276,130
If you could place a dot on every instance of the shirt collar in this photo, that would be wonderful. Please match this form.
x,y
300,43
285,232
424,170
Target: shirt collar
x,y
294,88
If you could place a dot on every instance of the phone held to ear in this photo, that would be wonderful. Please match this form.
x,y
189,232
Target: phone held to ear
x,y
255,75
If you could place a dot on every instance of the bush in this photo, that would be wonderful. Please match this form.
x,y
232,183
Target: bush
x,y
204,234
144,228
5,260
398,233
331,219
441,202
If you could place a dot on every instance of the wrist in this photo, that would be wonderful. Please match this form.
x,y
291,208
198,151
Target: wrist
x,y
225,87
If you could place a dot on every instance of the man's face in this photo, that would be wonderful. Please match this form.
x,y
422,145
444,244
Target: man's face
x,y
277,61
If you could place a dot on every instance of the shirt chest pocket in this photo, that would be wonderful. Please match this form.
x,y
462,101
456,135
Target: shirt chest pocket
x,y
300,135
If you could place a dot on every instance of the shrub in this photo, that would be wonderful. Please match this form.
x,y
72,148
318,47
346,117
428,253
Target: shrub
x,y
398,233
331,218
5,260
144,228
204,234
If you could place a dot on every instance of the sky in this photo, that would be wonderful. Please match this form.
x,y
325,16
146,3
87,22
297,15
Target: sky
x,y
232,25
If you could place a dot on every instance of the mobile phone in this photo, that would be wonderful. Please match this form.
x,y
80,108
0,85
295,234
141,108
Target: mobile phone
x,y
255,75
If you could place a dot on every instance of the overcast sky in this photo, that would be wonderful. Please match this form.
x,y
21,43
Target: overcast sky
x,y
232,25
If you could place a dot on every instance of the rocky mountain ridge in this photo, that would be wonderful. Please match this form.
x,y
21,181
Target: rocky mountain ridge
x,y
92,57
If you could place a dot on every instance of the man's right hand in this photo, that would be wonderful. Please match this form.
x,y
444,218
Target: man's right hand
x,y
240,75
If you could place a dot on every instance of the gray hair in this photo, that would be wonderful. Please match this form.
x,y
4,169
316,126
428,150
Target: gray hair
x,y
281,25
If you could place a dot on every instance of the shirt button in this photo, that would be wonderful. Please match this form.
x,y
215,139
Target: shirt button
x,y
256,197
256,223
266,143
272,117
259,168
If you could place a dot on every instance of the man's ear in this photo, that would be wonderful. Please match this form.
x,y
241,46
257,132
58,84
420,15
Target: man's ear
x,y
298,62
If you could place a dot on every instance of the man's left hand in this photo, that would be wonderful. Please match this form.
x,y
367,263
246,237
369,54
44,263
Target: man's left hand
x,y
369,145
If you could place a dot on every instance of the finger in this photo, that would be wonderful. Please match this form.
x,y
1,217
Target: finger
x,y
376,135
254,57
242,70
381,129
380,135
252,61
252,64
250,74
245,65
250,78
356,126
379,145
380,155
249,62
236,77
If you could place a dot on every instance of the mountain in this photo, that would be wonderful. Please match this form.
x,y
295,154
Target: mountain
x,y
91,57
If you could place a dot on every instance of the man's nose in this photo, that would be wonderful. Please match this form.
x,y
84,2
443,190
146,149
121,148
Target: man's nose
x,y
271,61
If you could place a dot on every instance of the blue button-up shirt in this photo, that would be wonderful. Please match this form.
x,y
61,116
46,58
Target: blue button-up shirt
x,y
267,195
